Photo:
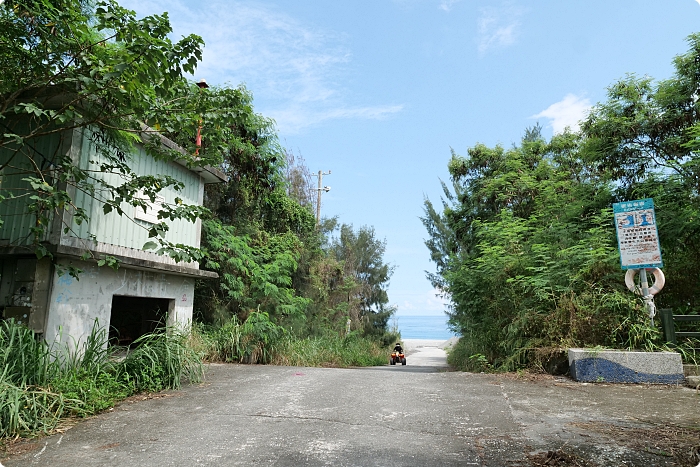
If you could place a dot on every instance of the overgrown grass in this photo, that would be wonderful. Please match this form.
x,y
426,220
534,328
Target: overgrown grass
x,y
40,385
254,341
332,351
24,361
463,357
259,340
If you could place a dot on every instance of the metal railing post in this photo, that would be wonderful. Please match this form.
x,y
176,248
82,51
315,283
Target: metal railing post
x,y
667,323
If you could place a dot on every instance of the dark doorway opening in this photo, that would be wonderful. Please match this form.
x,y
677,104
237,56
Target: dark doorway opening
x,y
132,317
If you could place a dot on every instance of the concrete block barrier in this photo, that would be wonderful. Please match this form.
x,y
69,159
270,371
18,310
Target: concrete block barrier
x,y
620,366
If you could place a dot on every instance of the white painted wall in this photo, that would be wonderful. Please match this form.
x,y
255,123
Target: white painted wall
x,y
75,304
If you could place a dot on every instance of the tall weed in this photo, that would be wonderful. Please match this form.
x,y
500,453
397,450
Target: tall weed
x,y
331,350
259,338
24,360
28,410
254,341
161,361
40,385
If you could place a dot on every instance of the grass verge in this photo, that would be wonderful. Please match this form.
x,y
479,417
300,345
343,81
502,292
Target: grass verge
x,y
330,351
259,340
40,385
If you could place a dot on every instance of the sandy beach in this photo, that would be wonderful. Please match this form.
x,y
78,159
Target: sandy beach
x,y
427,352
413,345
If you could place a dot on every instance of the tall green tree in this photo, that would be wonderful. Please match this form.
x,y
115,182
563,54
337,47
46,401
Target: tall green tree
x,y
645,137
648,126
524,243
363,255
526,251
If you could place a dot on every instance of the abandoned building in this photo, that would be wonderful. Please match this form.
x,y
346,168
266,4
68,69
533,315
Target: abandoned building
x,y
131,300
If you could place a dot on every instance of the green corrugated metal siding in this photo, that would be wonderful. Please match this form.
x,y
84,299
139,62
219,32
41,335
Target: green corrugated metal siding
x,y
111,228
120,230
17,221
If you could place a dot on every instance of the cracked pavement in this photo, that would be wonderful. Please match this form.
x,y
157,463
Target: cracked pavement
x,y
381,416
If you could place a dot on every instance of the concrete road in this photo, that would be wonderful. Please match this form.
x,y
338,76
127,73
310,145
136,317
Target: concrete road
x,y
427,353
382,416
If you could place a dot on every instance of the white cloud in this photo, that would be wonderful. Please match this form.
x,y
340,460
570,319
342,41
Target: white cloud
x,y
295,117
292,67
568,112
447,5
428,303
498,27
698,4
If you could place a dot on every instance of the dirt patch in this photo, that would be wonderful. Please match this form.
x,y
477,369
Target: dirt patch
x,y
109,446
144,396
16,447
557,458
682,444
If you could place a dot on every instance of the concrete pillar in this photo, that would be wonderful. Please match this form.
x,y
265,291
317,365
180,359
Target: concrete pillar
x,y
40,297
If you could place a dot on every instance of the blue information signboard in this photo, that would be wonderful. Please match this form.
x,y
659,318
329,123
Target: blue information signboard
x,y
637,235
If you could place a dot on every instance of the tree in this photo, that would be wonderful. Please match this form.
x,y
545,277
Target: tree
x,y
526,251
645,136
299,181
255,274
525,246
646,126
69,64
362,255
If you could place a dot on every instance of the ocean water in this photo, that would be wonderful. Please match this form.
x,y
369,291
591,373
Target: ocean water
x,y
423,327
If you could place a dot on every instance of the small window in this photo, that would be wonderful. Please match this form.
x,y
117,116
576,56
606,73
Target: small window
x,y
150,215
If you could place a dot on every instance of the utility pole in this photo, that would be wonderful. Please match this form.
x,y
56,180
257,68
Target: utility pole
x,y
198,142
320,190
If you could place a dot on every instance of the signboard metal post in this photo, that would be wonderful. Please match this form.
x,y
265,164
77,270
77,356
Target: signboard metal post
x,y
637,236
638,242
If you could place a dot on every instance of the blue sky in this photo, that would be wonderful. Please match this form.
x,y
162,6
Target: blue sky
x,y
379,91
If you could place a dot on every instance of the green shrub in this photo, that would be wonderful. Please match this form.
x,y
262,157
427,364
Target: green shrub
x,y
161,361
254,341
95,392
465,356
331,351
259,338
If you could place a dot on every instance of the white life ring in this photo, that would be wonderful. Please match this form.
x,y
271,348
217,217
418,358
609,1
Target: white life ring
x,y
659,281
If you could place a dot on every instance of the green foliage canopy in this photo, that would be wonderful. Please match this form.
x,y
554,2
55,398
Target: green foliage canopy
x,y
524,242
74,64
362,253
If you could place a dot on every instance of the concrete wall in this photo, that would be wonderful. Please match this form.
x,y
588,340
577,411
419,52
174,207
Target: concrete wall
x,y
620,366
75,304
